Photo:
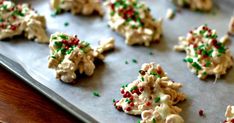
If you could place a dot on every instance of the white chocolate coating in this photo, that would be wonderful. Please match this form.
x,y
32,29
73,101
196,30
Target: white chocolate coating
x,y
205,54
133,20
153,96
18,19
68,54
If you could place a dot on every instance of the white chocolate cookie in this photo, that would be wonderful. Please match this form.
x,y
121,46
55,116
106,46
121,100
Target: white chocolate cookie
x,y
202,5
84,7
206,55
18,19
133,20
153,96
229,114
68,54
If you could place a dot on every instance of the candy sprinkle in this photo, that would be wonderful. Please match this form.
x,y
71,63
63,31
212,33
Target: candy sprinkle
x,y
134,61
66,24
95,93
126,62
201,113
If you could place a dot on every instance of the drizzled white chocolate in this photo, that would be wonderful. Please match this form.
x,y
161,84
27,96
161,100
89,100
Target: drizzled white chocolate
x,y
206,55
68,54
84,7
18,19
133,20
153,96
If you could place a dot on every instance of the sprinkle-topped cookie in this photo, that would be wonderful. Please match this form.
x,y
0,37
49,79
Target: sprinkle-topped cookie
x,y
84,7
153,96
206,55
69,54
133,20
18,19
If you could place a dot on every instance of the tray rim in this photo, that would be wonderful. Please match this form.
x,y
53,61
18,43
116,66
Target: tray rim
x,y
20,72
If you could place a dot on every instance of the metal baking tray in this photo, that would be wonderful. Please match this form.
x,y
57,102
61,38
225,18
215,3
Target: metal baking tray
x,y
28,60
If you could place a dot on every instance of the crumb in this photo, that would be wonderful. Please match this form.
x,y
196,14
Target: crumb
x,y
170,14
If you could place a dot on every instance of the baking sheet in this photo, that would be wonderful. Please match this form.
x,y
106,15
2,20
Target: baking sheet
x,y
110,75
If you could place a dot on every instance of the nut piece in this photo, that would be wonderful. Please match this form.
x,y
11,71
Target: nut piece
x,y
19,19
153,96
133,20
205,54
84,7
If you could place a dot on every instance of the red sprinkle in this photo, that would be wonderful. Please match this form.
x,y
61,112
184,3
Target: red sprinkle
x,y
141,89
127,94
128,109
13,27
201,113
131,98
122,91
131,104
148,104
119,108
232,120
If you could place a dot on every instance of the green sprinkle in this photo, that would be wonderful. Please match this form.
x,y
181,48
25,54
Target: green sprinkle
x,y
197,66
204,73
128,100
112,13
66,24
221,50
95,93
138,121
126,62
210,52
69,51
63,51
17,12
53,57
1,20
151,53
214,36
113,100
58,44
133,88
202,32
190,60
208,63
142,79
54,38
156,100
153,121
155,74
126,85
134,60
63,37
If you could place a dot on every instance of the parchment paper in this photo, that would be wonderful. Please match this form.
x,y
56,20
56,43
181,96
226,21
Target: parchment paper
x,y
110,75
